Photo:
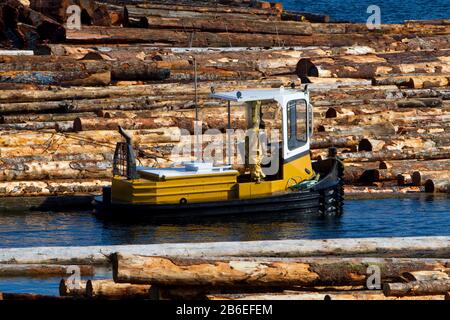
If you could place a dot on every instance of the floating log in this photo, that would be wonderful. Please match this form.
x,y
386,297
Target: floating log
x,y
72,288
108,289
431,154
298,295
162,89
385,247
413,81
255,272
30,296
84,124
371,192
419,177
40,270
375,129
414,165
52,187
218,24
60,78
425,275
370,66
102,35
37,170
437,185
417,288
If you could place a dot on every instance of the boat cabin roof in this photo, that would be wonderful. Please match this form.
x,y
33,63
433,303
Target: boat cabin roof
x,y
279,95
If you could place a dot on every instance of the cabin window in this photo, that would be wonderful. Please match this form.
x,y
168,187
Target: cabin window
x,y
296,123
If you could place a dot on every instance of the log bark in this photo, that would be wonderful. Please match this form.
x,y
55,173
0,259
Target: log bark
x,y
218,24
417,288
75,78
108,289
37,270
52,187
250,272
101,35
47,117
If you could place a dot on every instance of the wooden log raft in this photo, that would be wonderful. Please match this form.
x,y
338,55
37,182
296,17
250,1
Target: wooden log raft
x,y
255,272
417,288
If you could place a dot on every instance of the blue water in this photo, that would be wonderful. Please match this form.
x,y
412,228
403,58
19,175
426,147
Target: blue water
x,y
392,11
419,216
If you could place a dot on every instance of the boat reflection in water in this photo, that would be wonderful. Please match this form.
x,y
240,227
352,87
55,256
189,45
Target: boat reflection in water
x,y
289,225
416,216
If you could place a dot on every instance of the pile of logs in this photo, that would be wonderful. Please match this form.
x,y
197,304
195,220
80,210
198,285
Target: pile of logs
x,y
402,269
380,96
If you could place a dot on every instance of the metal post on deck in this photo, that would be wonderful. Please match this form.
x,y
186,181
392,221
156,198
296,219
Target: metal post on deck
x,y
229,132
197,140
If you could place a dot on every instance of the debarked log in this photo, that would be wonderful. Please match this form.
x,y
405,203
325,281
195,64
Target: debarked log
x,y
420,177
426,275
257,271
371,65
298,295
417,288
413,81
431,154
437,247
108,289
42,270
437,185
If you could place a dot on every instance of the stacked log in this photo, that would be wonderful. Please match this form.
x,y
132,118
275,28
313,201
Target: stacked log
x,y
378,97
340,269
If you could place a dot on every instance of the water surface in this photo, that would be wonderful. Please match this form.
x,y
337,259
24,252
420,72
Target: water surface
x,y
392,11
418,216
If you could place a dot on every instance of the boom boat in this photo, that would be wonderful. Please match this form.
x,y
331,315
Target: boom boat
x,y
287,180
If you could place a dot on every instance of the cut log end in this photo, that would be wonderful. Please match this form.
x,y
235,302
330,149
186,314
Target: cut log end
x,y
365,145
305,68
